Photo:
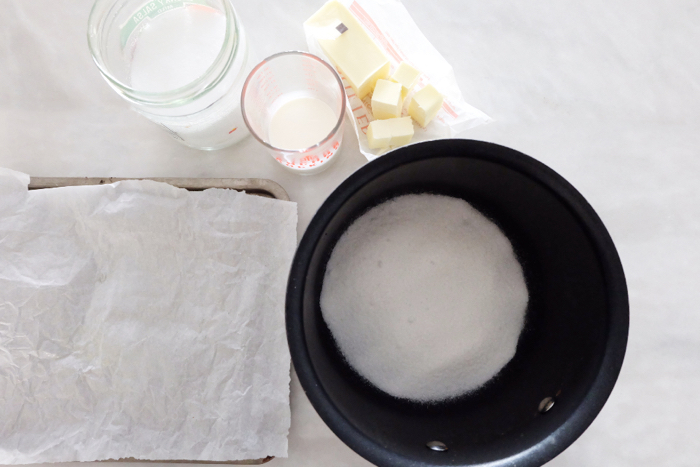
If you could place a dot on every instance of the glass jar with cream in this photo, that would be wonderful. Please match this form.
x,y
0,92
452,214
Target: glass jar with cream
x,y
179,63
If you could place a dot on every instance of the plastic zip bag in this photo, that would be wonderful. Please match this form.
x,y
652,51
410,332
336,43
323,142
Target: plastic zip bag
x,y
391,27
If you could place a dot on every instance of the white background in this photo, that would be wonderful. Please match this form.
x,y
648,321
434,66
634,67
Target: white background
x,y
605,93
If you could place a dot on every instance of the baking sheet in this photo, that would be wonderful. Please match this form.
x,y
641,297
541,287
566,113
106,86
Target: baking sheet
x,y
253,186
261,187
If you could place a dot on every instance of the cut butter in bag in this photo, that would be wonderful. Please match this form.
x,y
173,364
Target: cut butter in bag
x,y
367,40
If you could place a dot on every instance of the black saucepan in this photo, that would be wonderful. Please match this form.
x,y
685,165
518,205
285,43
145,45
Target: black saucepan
x,y
569,354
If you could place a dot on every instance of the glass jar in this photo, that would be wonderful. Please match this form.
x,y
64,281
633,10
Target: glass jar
x,y
163,57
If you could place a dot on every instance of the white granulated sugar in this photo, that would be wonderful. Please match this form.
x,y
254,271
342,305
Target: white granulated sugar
x,y
425,297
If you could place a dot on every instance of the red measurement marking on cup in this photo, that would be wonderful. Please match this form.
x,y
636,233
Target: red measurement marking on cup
x,y
305,161
233,130
310,158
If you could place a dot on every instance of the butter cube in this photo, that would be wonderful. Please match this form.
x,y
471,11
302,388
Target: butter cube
x,y
386,100
391,132
407,76
425,105
353,52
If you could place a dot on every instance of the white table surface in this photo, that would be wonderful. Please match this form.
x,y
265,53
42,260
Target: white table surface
x,y
605,93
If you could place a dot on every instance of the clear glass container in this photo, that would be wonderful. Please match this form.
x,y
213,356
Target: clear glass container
x,y
292,76
203,111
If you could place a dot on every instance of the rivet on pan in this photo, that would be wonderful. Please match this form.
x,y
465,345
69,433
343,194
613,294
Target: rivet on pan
x,y
546,404
437,446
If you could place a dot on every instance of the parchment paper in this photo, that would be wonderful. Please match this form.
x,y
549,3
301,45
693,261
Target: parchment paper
x,y
141,320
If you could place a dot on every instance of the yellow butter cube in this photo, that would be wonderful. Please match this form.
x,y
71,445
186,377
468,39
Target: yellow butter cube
x,y
425,105
391,132
353,52
386,100
407,76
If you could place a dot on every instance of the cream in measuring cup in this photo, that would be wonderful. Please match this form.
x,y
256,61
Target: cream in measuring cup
x,y
301,123
294,103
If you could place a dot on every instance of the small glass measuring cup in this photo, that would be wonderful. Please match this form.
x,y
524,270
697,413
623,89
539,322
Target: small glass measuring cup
x,y
281,79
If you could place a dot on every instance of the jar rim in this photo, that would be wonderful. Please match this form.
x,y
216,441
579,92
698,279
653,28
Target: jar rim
x,y
174,97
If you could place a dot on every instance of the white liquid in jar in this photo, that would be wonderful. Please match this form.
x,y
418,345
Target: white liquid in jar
x,y
301,123
177,47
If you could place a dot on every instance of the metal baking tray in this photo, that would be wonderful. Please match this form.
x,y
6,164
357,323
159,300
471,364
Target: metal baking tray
x,y
252,186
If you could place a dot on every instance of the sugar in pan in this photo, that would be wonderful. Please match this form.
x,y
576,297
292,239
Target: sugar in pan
x,y
576,321
425,297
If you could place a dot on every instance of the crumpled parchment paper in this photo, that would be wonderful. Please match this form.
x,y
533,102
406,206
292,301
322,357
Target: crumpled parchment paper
x,y
142,320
